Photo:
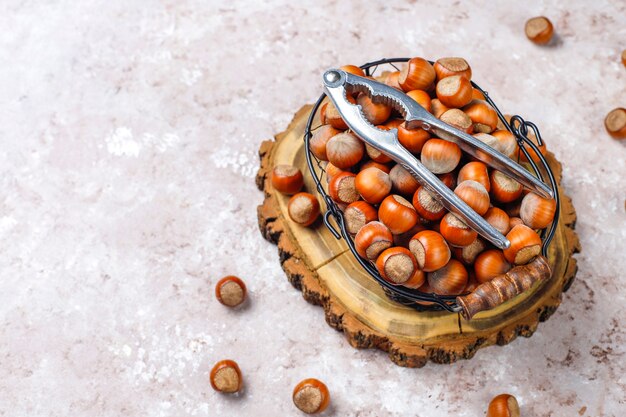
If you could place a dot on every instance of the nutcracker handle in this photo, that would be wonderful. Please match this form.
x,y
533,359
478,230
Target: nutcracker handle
x,y
504,287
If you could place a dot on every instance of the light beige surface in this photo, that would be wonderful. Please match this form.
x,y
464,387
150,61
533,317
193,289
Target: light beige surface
x,y
129,135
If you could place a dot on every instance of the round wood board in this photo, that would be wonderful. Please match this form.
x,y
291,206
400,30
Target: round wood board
x,y
324,269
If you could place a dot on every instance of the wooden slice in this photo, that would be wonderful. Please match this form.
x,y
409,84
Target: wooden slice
x,y
326,272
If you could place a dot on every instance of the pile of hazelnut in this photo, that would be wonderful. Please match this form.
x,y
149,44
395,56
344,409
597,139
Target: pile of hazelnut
x,y
398,224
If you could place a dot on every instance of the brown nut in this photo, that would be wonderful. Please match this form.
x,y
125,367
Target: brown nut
x,y
503,405
225,377
475,171
539,30
498,219
303,208
537,212
490,264
427,206
311,396
358,214
440,156
344,150
456,231
375,113
418,74
454,91
430,250
483,116
615,123
373,185
320,138
507,144
474,194
421,97
449,280
446,67
372,239
287,179
525,245
503,188
412,139
457,118
342,188
230,291
397,214
402,181
398,266
438,108
467,254
353,69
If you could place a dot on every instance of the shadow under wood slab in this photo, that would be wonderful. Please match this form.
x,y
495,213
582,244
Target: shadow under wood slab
x,y
326,272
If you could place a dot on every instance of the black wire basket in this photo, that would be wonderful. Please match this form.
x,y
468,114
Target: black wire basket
x,y
414,298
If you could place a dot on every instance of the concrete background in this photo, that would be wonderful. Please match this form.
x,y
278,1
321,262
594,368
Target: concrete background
x,y
129,132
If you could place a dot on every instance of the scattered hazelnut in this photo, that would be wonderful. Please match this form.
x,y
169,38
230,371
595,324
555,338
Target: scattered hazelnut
x,y
225,377
311,396
230,291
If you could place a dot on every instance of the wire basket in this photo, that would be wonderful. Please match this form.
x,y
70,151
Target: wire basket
x,y
412,297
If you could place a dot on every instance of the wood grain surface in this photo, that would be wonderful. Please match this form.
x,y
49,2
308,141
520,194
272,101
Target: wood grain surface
x,y
328,275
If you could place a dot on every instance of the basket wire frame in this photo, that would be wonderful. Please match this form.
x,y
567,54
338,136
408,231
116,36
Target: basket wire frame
x,y
412,297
